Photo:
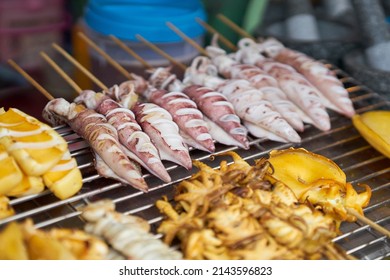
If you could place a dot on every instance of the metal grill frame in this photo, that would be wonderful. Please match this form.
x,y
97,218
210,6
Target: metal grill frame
x,y
342,144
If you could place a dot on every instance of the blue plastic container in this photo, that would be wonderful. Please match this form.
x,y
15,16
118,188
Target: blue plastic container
x,y
127,18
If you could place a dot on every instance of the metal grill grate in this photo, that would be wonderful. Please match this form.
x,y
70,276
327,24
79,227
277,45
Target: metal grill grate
x,y
343,144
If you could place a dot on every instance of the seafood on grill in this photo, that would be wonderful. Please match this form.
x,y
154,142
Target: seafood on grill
x,y
374,126
186,115
29,141
235,213
6,209
32,156
297,88
164,133
23,241
129,235
229,68
110,159
155,121
138,145
220,111
319,181
315,72
248,102
223,123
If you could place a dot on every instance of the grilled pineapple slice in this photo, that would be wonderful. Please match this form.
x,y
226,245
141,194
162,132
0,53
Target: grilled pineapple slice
x,y
35,146
65,179
28,185
12,245
374,126
10,173
5,208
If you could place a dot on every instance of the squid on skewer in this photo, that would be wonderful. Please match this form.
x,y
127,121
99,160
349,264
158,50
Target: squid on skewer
x,y
315,72
138,143
110,158
224,124
248,102
297,88
229,68
186,115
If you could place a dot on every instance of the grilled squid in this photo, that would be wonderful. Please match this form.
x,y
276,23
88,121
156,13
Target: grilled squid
x,y
223,123
127,234
164,132
297,88
186,115
138,143
259,79
315,72
111,161
217,108
248,102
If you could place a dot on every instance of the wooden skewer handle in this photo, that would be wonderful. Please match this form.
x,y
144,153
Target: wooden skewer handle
x,y
79,66
187,39
30,79
61,72
235,27
161,52
131,52
115,64
369,222
222,38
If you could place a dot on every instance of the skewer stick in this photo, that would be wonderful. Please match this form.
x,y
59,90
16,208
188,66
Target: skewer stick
x,y
79,66
160,52
235,27
131,52
61,72
212,30
115,64
187,39
30,80
369,222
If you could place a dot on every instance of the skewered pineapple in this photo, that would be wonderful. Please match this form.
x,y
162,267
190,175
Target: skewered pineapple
x,y
21,241
35,146
32,156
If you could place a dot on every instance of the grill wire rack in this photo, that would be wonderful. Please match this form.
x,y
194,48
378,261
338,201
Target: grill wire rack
x,y
342,144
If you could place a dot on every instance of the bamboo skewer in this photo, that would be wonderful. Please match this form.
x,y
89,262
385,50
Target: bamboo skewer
x,y
131,52
115,64
222,38
30,79
235,27
369,222
186,38
161,52
79,66
61,72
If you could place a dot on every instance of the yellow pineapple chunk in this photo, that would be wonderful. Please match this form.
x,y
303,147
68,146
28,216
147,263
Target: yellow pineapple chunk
x,y
12,246
35,146
43,247
5,208
374,126
65,179
10,173
29,185
12,116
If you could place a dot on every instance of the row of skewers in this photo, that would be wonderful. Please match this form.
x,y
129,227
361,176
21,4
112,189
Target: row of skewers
x,y
190,103
100,117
